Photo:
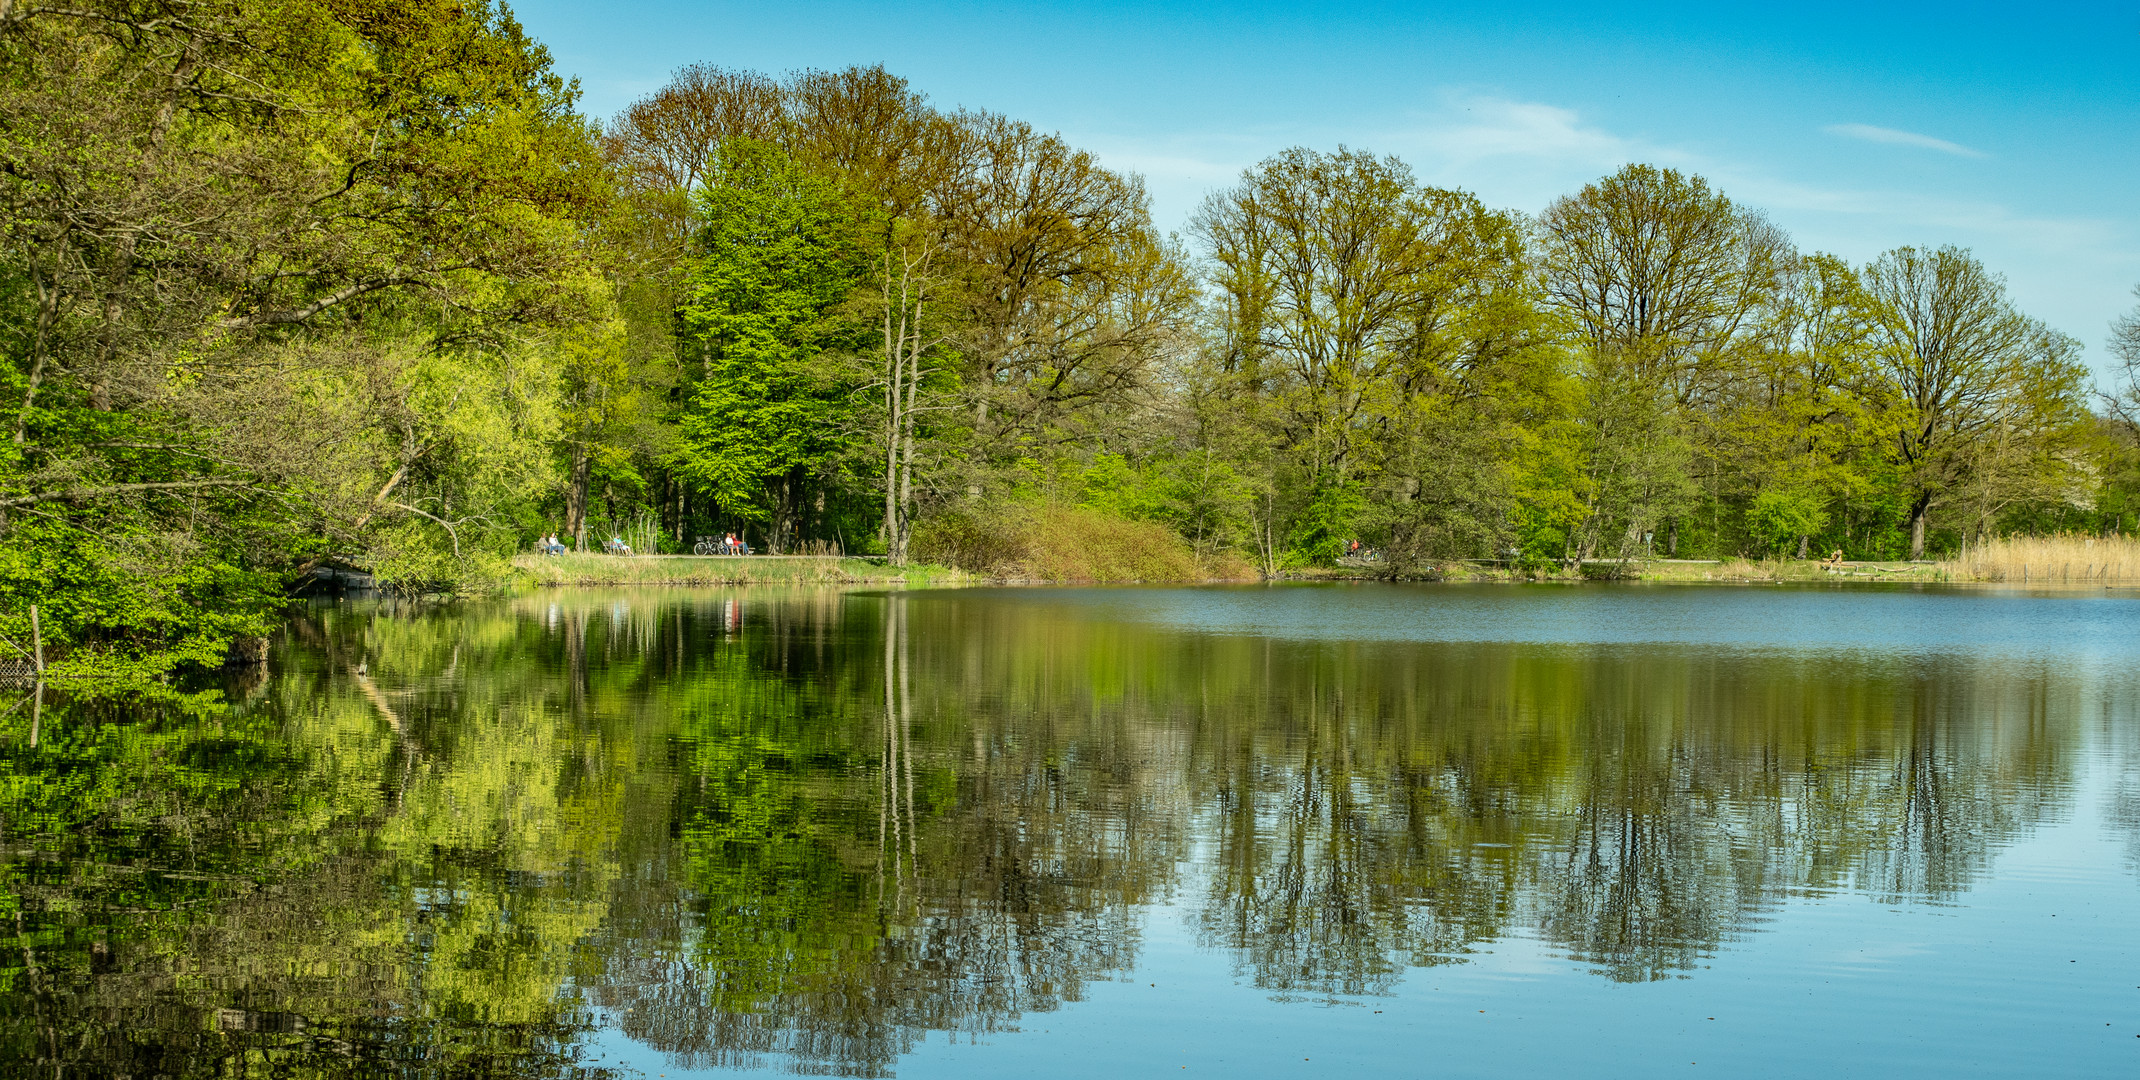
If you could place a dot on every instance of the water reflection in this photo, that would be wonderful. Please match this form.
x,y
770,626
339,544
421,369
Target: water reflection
x,y
807,829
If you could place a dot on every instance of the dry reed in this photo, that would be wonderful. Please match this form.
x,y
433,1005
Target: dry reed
x,y
2050,560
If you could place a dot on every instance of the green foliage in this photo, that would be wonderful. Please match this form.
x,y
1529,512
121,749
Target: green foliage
x,y
1637,463
1323,528
1197,494
359,284
126,610
1782,517
271,304
778,251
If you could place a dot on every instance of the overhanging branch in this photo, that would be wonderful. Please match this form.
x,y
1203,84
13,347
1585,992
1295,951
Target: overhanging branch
x,y
119,489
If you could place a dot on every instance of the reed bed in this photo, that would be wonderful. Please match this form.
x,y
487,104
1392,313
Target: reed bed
x,y
2051,560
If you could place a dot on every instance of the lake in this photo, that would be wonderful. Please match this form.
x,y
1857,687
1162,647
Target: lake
x,y
1289,831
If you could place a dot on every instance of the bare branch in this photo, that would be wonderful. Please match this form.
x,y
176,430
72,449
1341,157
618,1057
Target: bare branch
x,y
450,530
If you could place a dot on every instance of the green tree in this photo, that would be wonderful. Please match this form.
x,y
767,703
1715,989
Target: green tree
x,y
1660,272
1792,431
778,252
1662,278
1982,397
228,233
1637,464
1381,336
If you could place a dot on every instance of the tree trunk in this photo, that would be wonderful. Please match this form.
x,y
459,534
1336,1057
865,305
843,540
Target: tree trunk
x,y
1918,512
48,298
894,527
786,530
1802,540
906,453
576,499
894,366
1267,538
682,509
903,345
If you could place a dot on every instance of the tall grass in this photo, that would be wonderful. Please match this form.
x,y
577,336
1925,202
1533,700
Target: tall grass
x,y
641,532
2051,560
1068,543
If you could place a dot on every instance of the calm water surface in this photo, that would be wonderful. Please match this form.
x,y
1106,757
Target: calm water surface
x,y
1289,832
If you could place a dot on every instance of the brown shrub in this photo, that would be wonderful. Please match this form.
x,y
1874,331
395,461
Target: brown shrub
x,y
1067,543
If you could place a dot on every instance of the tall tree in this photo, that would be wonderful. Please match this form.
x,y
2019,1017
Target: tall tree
x,y
2124,400
1658,271
1968,376
1662,277
1074,297
1372,318
779,249
214,248
1794,430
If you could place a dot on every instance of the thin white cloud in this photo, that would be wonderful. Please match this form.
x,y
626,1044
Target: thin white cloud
x,y
1475,128
1515,153
2073,270
1522,154
1895,137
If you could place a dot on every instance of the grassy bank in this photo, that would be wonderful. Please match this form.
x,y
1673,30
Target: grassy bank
x,y
2023,560
1077,547
1660,570
1792,570
577,569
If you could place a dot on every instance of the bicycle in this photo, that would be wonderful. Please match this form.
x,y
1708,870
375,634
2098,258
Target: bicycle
x,y
708,545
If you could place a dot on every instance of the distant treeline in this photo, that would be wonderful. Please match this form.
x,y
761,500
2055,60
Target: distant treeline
x,y
353,281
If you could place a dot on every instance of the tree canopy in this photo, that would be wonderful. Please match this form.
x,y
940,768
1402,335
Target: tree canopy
x,y
334,282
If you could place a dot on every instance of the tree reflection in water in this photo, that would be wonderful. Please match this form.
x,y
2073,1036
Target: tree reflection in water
x,y
811,828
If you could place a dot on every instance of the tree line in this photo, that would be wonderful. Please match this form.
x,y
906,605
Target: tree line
x,y
355,282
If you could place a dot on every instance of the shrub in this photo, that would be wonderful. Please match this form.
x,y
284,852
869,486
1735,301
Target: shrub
x,y
976,543
1051,542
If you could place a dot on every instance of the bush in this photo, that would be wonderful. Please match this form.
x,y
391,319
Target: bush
x,y
975,543
1065,543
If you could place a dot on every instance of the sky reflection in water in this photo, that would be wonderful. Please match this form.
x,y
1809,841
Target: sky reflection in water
x,y
1296,831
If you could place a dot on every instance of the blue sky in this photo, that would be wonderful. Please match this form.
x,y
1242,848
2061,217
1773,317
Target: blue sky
x,y
2006,129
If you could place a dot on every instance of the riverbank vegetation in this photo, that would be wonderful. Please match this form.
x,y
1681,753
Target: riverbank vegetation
x,y
577,569
2050,560
339,280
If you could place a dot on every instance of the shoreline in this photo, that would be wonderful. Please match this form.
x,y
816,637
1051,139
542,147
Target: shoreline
x,y
590,570
702,571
